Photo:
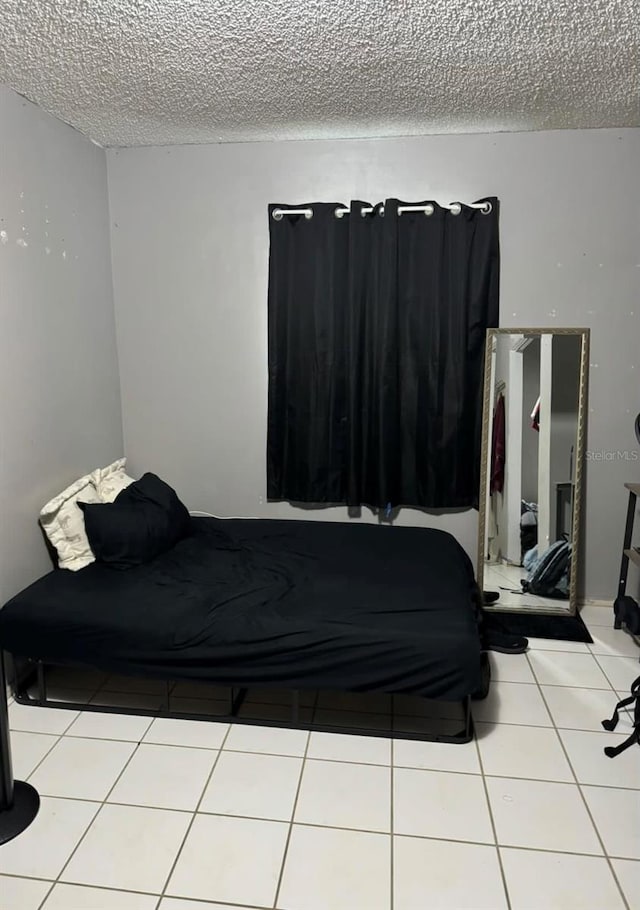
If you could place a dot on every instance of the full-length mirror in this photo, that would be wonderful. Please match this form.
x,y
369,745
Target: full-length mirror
x,y
532,452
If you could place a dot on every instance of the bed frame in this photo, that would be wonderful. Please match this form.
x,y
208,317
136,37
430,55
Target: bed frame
x,y
20,802
237,695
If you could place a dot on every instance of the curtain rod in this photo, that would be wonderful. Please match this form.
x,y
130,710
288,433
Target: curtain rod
x,y
455,208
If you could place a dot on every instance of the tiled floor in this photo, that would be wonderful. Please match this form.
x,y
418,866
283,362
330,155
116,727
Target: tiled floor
x,y
142,814
507,580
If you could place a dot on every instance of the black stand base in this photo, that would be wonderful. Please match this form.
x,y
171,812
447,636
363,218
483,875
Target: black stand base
x,y
26,804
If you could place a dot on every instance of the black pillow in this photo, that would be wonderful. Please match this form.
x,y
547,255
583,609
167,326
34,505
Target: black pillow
x,y
145,519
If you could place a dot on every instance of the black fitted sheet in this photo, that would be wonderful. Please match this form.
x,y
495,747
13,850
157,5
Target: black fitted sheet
x,y
297,604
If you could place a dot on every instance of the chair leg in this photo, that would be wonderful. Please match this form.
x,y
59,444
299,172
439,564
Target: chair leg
x,y
624,563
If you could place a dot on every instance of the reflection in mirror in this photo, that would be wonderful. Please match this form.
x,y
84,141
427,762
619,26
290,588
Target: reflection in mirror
x,y
535,389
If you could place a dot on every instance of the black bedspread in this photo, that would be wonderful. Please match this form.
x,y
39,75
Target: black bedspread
x,y
301,604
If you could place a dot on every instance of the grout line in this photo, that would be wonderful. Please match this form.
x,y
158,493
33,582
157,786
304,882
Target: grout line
x,y
340,761
29,878
193,817
64,866
616,654
147,742
48,894
197,902
561,650
448,840
54,736
539,683
630,859
100,803
102,888
600,838
280,821
553,726
538,780
193,900
295,805
118,739
584,800
57,737
493,824
384,733
607,675
101,806
534,681
452,840
53,746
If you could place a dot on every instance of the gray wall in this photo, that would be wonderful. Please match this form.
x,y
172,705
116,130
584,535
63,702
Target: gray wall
x,y
60,404
565,394
530,439
190,249
498,502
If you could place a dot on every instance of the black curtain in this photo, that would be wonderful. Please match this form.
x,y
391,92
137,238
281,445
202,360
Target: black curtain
x,y
376,342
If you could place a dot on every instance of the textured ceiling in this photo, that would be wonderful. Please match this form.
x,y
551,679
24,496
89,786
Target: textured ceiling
x,y
147,72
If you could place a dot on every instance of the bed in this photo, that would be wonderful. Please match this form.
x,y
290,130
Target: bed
x,y
301,605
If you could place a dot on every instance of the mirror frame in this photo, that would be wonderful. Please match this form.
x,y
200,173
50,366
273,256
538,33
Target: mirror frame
x,y
487,410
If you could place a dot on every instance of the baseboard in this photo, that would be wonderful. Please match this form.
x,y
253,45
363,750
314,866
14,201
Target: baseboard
x,y
592,602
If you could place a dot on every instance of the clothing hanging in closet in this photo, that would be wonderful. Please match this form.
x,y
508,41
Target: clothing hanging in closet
x,y
535,416
498,447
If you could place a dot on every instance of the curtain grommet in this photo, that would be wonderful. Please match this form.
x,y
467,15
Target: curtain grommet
x,y
339,213
487,208
277,214
455,208
429,210
381,211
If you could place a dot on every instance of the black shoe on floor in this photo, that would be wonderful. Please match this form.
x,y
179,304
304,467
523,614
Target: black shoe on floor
x,y
505,644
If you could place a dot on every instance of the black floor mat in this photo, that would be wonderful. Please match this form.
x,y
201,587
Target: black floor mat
x,y
536,625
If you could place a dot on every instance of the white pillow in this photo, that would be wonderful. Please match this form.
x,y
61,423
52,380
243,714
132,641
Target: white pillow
x,y
63,523
111,480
